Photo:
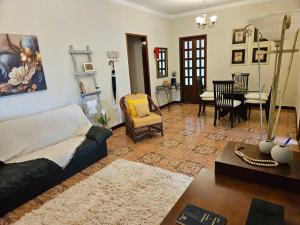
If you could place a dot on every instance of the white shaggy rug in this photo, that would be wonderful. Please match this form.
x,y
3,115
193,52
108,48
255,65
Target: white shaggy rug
x,y
122,193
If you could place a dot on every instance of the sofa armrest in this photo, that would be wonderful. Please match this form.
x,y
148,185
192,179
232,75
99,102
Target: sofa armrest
x,y
98,134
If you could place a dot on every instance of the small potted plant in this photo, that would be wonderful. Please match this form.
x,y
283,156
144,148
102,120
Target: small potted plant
x,y
173,79
103,120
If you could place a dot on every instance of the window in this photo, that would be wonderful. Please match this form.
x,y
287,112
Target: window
x,y
162,63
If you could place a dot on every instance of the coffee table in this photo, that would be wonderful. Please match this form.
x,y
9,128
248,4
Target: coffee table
x,y
231,197
284,176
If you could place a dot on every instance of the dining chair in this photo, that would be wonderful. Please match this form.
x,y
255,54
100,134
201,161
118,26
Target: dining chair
x,y
205,97
241,81
224,101
252,101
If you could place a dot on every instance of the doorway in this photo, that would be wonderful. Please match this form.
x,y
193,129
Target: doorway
x,y
193,64
138,63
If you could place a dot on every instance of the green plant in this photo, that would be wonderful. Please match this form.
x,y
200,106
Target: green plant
x,y
174,74
103,120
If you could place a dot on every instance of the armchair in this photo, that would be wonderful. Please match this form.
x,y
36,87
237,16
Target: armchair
x,y
136,127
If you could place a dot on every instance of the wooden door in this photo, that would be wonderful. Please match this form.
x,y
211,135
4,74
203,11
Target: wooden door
x,y
193,62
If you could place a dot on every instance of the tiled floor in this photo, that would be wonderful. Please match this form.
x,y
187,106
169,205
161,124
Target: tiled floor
x,y
189,144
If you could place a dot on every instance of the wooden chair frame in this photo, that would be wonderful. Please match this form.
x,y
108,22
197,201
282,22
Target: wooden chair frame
x,y
202,103
136,133
222,88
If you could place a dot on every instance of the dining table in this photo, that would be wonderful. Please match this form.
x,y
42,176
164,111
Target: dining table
x,y
239,94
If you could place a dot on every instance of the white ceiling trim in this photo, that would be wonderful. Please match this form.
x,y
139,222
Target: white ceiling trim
x,y
217,8
194,12
139,7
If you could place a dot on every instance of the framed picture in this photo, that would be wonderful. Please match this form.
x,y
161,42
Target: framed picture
x,y
21,67
264,58
239,36
255,36
239,57
88,67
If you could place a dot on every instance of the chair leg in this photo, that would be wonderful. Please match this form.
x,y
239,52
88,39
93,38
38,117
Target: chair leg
x,y
199,112
215,118
231,118
249,112
162,130
203,109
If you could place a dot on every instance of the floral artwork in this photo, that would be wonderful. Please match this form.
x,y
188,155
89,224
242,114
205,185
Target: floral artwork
x,y
21,69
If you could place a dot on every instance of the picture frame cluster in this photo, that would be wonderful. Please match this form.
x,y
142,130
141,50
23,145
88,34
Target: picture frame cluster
x,y
243,46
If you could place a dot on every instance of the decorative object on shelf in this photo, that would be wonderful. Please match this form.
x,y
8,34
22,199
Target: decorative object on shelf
x,y
166,83
21,69
202,20
281,153
103,120
88,67
254,162
239,36
265,147
264,58
113,58
239,57
87,93
276,27
173,79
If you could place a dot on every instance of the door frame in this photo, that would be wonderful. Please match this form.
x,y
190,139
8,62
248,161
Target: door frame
x,y
181,57
145,54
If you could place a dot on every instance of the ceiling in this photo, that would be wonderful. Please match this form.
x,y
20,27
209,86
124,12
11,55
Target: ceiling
x,y
173,7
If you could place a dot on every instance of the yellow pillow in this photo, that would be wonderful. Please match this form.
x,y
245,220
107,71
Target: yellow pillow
x,y
142,109
131,104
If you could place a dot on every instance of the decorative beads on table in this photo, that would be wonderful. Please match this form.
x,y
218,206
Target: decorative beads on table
x,y
256,162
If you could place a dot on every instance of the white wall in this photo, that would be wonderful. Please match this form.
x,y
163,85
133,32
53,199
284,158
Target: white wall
x,y
136,70
102,25
219,44
297,90
98,23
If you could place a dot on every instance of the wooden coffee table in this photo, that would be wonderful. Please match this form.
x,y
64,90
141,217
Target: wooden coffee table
x,y
231,197
284,176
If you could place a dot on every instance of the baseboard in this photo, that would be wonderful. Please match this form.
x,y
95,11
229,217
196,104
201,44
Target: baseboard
x,y
168,104
298,133
287,107
118,126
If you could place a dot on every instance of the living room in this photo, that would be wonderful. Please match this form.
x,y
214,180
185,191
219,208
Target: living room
x,y
190,134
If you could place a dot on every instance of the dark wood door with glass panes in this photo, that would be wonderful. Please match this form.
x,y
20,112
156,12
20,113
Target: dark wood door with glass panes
x,y
192,65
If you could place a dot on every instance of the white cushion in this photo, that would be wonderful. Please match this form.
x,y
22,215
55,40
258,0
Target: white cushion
x,y
207,94
207,99
236,103
253,101
255,96
32,133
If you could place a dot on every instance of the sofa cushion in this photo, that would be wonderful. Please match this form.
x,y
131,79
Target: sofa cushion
x,y
133,103
134,97
153,118
142,109
25,135
98,134
15,176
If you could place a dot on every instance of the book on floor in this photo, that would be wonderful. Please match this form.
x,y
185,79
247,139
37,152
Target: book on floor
x,y
265,213
193,215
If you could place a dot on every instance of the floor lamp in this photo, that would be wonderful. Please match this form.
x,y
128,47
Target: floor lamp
x,y
277,27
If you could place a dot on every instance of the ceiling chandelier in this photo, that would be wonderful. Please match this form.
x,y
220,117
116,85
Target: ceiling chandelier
x,y
203,20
